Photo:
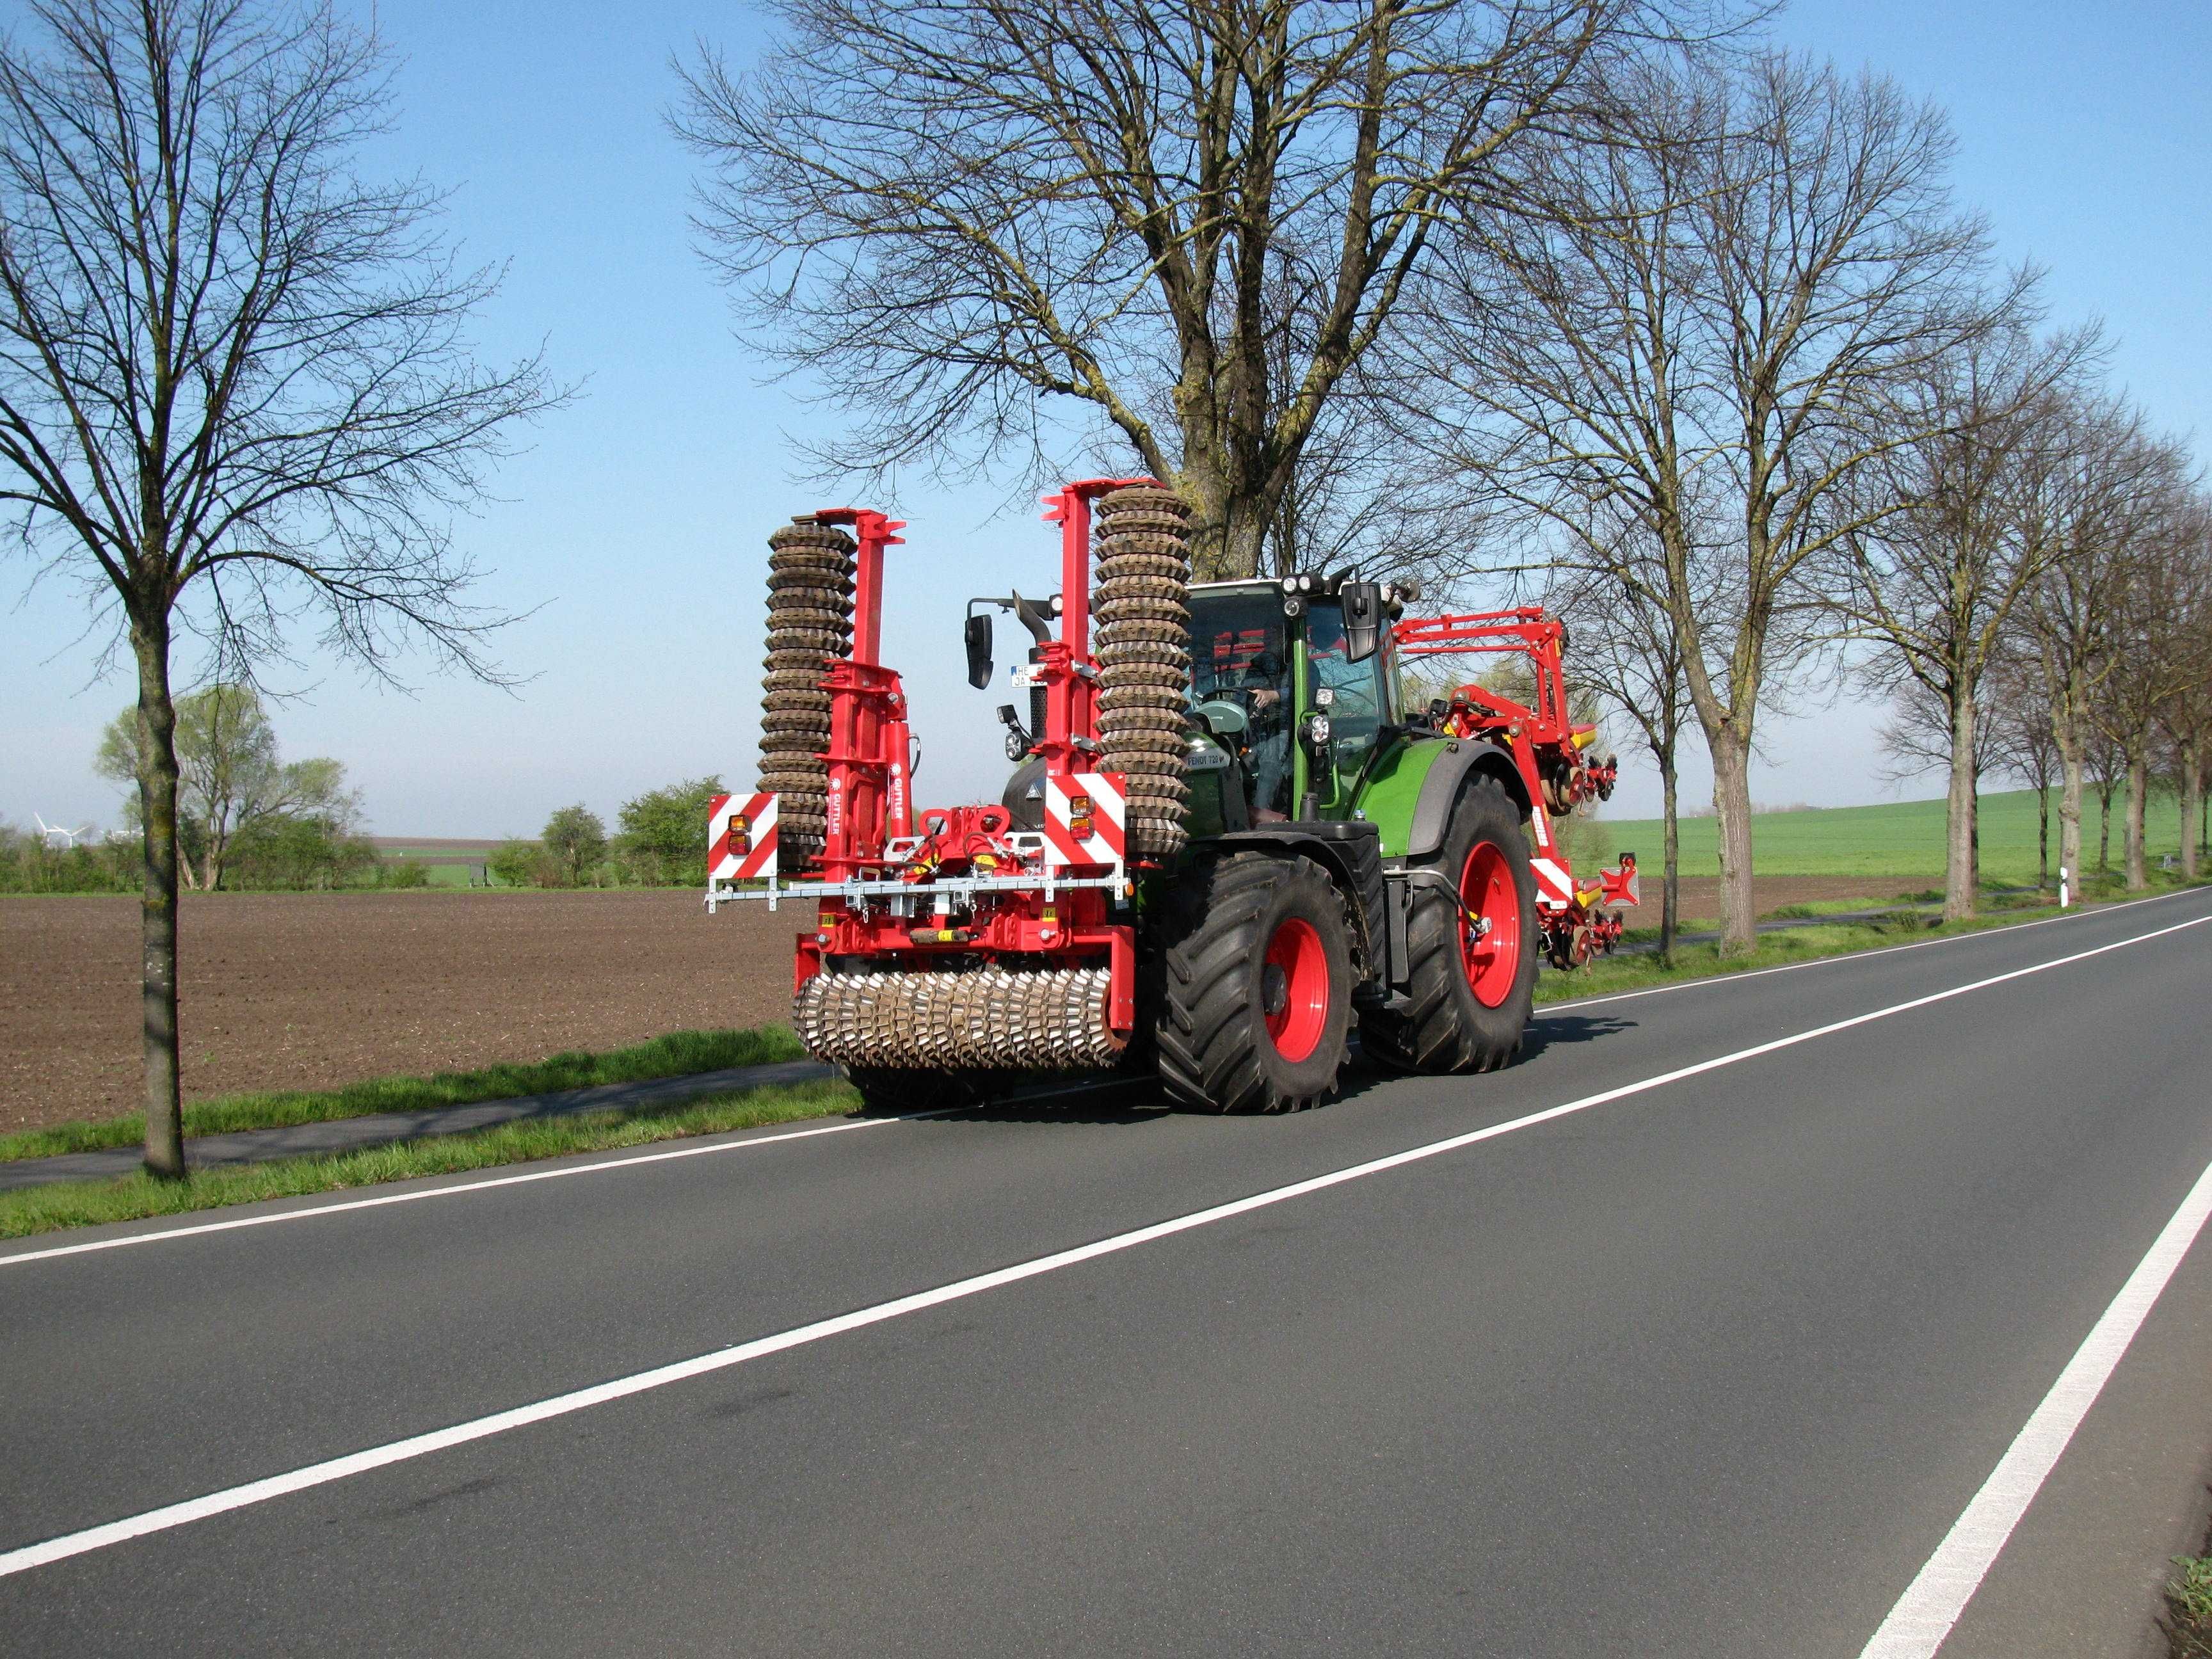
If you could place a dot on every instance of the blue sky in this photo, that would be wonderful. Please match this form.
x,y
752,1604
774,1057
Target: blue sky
x,y
634,524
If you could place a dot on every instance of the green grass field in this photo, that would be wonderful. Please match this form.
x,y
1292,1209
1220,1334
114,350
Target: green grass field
x,y
1904,838
443,866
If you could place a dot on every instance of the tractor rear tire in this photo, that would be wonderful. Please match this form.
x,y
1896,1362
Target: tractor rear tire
x,y
1255,985
1471,994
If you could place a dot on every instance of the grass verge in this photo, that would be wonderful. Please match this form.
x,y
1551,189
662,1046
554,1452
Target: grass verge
x,y
2189,1608
677,1054
1812,909
89,1203
1607,975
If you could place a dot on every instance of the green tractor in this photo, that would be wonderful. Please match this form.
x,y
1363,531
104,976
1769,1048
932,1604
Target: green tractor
x,y
1229,837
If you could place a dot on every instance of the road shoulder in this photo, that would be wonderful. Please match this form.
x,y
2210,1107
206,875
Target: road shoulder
x,y
2081,1575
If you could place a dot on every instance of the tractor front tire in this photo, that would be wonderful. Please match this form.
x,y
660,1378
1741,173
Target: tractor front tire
x,y
1473,978
1255,985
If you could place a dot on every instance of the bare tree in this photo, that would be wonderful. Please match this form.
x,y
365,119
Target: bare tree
x,y
1916,735
1842,274
2186,717
2106,482
985,225
2153,639
1717,336
2020,743
234,386
2108,770
1933,578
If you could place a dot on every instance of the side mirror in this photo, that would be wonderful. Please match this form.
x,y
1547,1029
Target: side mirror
x,y
1362,619
979,651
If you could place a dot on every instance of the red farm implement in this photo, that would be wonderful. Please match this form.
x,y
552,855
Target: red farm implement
x,y
1224,841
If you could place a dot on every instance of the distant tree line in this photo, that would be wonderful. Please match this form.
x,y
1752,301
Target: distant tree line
x,y
660,840
246,817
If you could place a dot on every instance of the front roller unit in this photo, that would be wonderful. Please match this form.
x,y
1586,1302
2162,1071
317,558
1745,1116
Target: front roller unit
x,y
985,1018
976,939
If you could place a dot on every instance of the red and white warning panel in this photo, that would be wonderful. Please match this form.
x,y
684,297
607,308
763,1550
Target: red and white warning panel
x,y
1621,886
1086,819
1555,886
740,838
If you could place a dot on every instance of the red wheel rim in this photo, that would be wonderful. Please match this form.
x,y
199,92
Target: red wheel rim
x,y
1490,924
1294,988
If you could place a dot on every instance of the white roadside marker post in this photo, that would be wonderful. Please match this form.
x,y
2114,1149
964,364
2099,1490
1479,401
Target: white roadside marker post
x,y
2062,887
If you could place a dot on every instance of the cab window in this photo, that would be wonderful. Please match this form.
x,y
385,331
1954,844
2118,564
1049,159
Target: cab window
x,y
1240,650
1356,688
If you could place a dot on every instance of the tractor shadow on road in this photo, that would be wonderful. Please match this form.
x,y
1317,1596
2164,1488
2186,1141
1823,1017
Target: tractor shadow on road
x,y
1128,1102
1094,1099
1563,1030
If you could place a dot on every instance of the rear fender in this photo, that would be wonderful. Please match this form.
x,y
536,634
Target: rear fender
x,y
1466,758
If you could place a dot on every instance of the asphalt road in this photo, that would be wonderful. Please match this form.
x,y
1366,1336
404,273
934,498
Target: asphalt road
x,y
1707,1368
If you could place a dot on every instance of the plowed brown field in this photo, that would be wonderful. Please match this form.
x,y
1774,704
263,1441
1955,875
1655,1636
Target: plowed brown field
x,y
311,990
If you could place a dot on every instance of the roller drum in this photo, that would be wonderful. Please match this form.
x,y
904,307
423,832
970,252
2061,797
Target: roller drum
x,y
1140,610
981,1018
809,623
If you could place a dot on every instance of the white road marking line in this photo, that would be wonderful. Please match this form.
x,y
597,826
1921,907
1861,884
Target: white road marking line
x,y
420,1194
376,1457
2001,931
1931,1605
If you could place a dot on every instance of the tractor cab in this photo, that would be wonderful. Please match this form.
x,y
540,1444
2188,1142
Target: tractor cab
x,y
1289,701
1292,689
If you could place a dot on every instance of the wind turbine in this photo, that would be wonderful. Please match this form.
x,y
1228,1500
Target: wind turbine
x,y
51,832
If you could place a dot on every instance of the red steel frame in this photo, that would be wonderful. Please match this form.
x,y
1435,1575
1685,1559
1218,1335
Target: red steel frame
x,y
1546,745
870,805
869,746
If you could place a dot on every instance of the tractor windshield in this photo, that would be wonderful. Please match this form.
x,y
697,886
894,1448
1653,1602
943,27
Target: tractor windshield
x,y
1241,652
1353,694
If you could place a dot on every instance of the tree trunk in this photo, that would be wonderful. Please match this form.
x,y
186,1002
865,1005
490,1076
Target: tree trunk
x,y
2192,784
1974,838
1227,528
1243,549
2069,817
2043,835
2138,871
2104,826
163,1094
1958,812
1732,809
1670,892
